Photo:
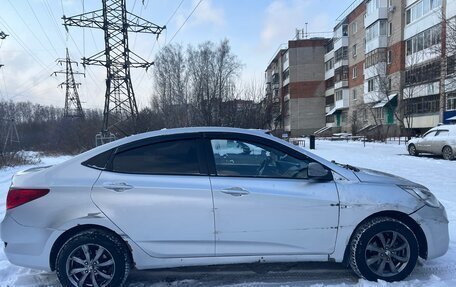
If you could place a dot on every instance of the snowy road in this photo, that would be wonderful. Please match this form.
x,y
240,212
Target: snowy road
x,y
435,173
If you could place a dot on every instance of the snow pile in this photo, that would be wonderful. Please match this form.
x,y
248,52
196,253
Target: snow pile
x,y
437,174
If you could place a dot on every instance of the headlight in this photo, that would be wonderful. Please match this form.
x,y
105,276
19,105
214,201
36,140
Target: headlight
x,y
422,193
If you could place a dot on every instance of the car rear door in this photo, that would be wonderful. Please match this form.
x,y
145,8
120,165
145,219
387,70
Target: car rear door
x,y
266,206
440,140
159,194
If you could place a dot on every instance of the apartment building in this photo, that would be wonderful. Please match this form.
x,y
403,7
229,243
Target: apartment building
x,y
295,81
388,69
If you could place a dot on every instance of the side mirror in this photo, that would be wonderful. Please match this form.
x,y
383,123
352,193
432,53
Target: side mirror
x,y
317,171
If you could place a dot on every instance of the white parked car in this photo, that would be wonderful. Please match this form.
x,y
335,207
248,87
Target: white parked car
x,y
440,140
205,196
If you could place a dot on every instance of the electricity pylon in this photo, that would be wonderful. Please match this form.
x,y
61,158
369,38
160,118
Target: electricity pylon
x,y
12,136
116,22
73,108
2,36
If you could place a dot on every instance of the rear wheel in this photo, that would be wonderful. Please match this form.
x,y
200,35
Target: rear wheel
x,y
93,258
412,150
447,153
383,248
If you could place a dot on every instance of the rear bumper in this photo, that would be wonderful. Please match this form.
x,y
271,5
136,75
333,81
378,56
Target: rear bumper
x,y
26,246
434,223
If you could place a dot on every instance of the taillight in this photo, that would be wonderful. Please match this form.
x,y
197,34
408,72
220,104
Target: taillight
x,y
18,197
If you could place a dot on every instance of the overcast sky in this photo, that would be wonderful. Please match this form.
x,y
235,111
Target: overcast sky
x,y
255,29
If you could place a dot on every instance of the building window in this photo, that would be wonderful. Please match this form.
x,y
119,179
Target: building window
x,y
354,27
424,73
419,9
379,114
375,57
341,54
329,64
354,52
390,29
341,74
355,72
375,30
370,85
451,102
339,95
354,95
422,105
389,57
390,84
286,74
423,40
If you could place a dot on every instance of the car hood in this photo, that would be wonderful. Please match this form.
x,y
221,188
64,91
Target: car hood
x,y
375,176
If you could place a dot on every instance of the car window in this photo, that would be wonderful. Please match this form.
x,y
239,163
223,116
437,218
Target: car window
x,y
429,134
240,158
442,133
178,157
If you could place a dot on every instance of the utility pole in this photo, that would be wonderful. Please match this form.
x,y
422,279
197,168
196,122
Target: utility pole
x,y
116,22
443,64
73,108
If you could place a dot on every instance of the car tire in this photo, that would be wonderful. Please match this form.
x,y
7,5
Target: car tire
x,y
383,248
447,153
412,150
93,255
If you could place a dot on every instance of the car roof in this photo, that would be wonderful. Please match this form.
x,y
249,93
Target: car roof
x,y
451,128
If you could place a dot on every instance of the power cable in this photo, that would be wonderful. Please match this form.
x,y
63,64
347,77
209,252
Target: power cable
x,y
30,30
183,24
41,26
21,43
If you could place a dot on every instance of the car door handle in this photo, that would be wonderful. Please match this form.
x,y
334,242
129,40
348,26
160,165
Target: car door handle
x,y
235,191
117,186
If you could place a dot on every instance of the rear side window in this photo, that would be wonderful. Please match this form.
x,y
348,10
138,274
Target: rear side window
x,y
178,157
443,133
99,161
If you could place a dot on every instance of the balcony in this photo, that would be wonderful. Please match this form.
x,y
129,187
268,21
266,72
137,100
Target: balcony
x,y
377,14
329,56
341,42
341,63
329,74
329,92
379,42
344,102
341,84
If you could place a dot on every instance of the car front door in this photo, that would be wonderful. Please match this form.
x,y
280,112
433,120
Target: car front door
x,y
425,143
159,195
265,204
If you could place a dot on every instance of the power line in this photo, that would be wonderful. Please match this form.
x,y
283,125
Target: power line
x,y
178,30
41,26
27,25
174,13
21,43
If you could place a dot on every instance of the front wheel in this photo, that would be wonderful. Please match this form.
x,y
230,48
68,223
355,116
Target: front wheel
x,y
447,153
383,248
412,150
93,258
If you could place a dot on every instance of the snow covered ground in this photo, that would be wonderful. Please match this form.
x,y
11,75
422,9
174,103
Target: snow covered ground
x,y
433,172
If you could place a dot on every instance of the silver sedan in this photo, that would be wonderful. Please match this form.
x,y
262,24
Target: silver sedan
x,y
206,196
440,140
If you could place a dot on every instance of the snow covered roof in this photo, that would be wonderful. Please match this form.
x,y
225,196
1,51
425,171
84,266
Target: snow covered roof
x,y
386,100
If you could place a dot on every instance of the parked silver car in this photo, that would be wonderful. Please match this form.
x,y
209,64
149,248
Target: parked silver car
x,y
204,196
440,140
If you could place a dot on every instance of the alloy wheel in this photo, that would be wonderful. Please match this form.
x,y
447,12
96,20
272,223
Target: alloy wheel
x,y
90,265
387,253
